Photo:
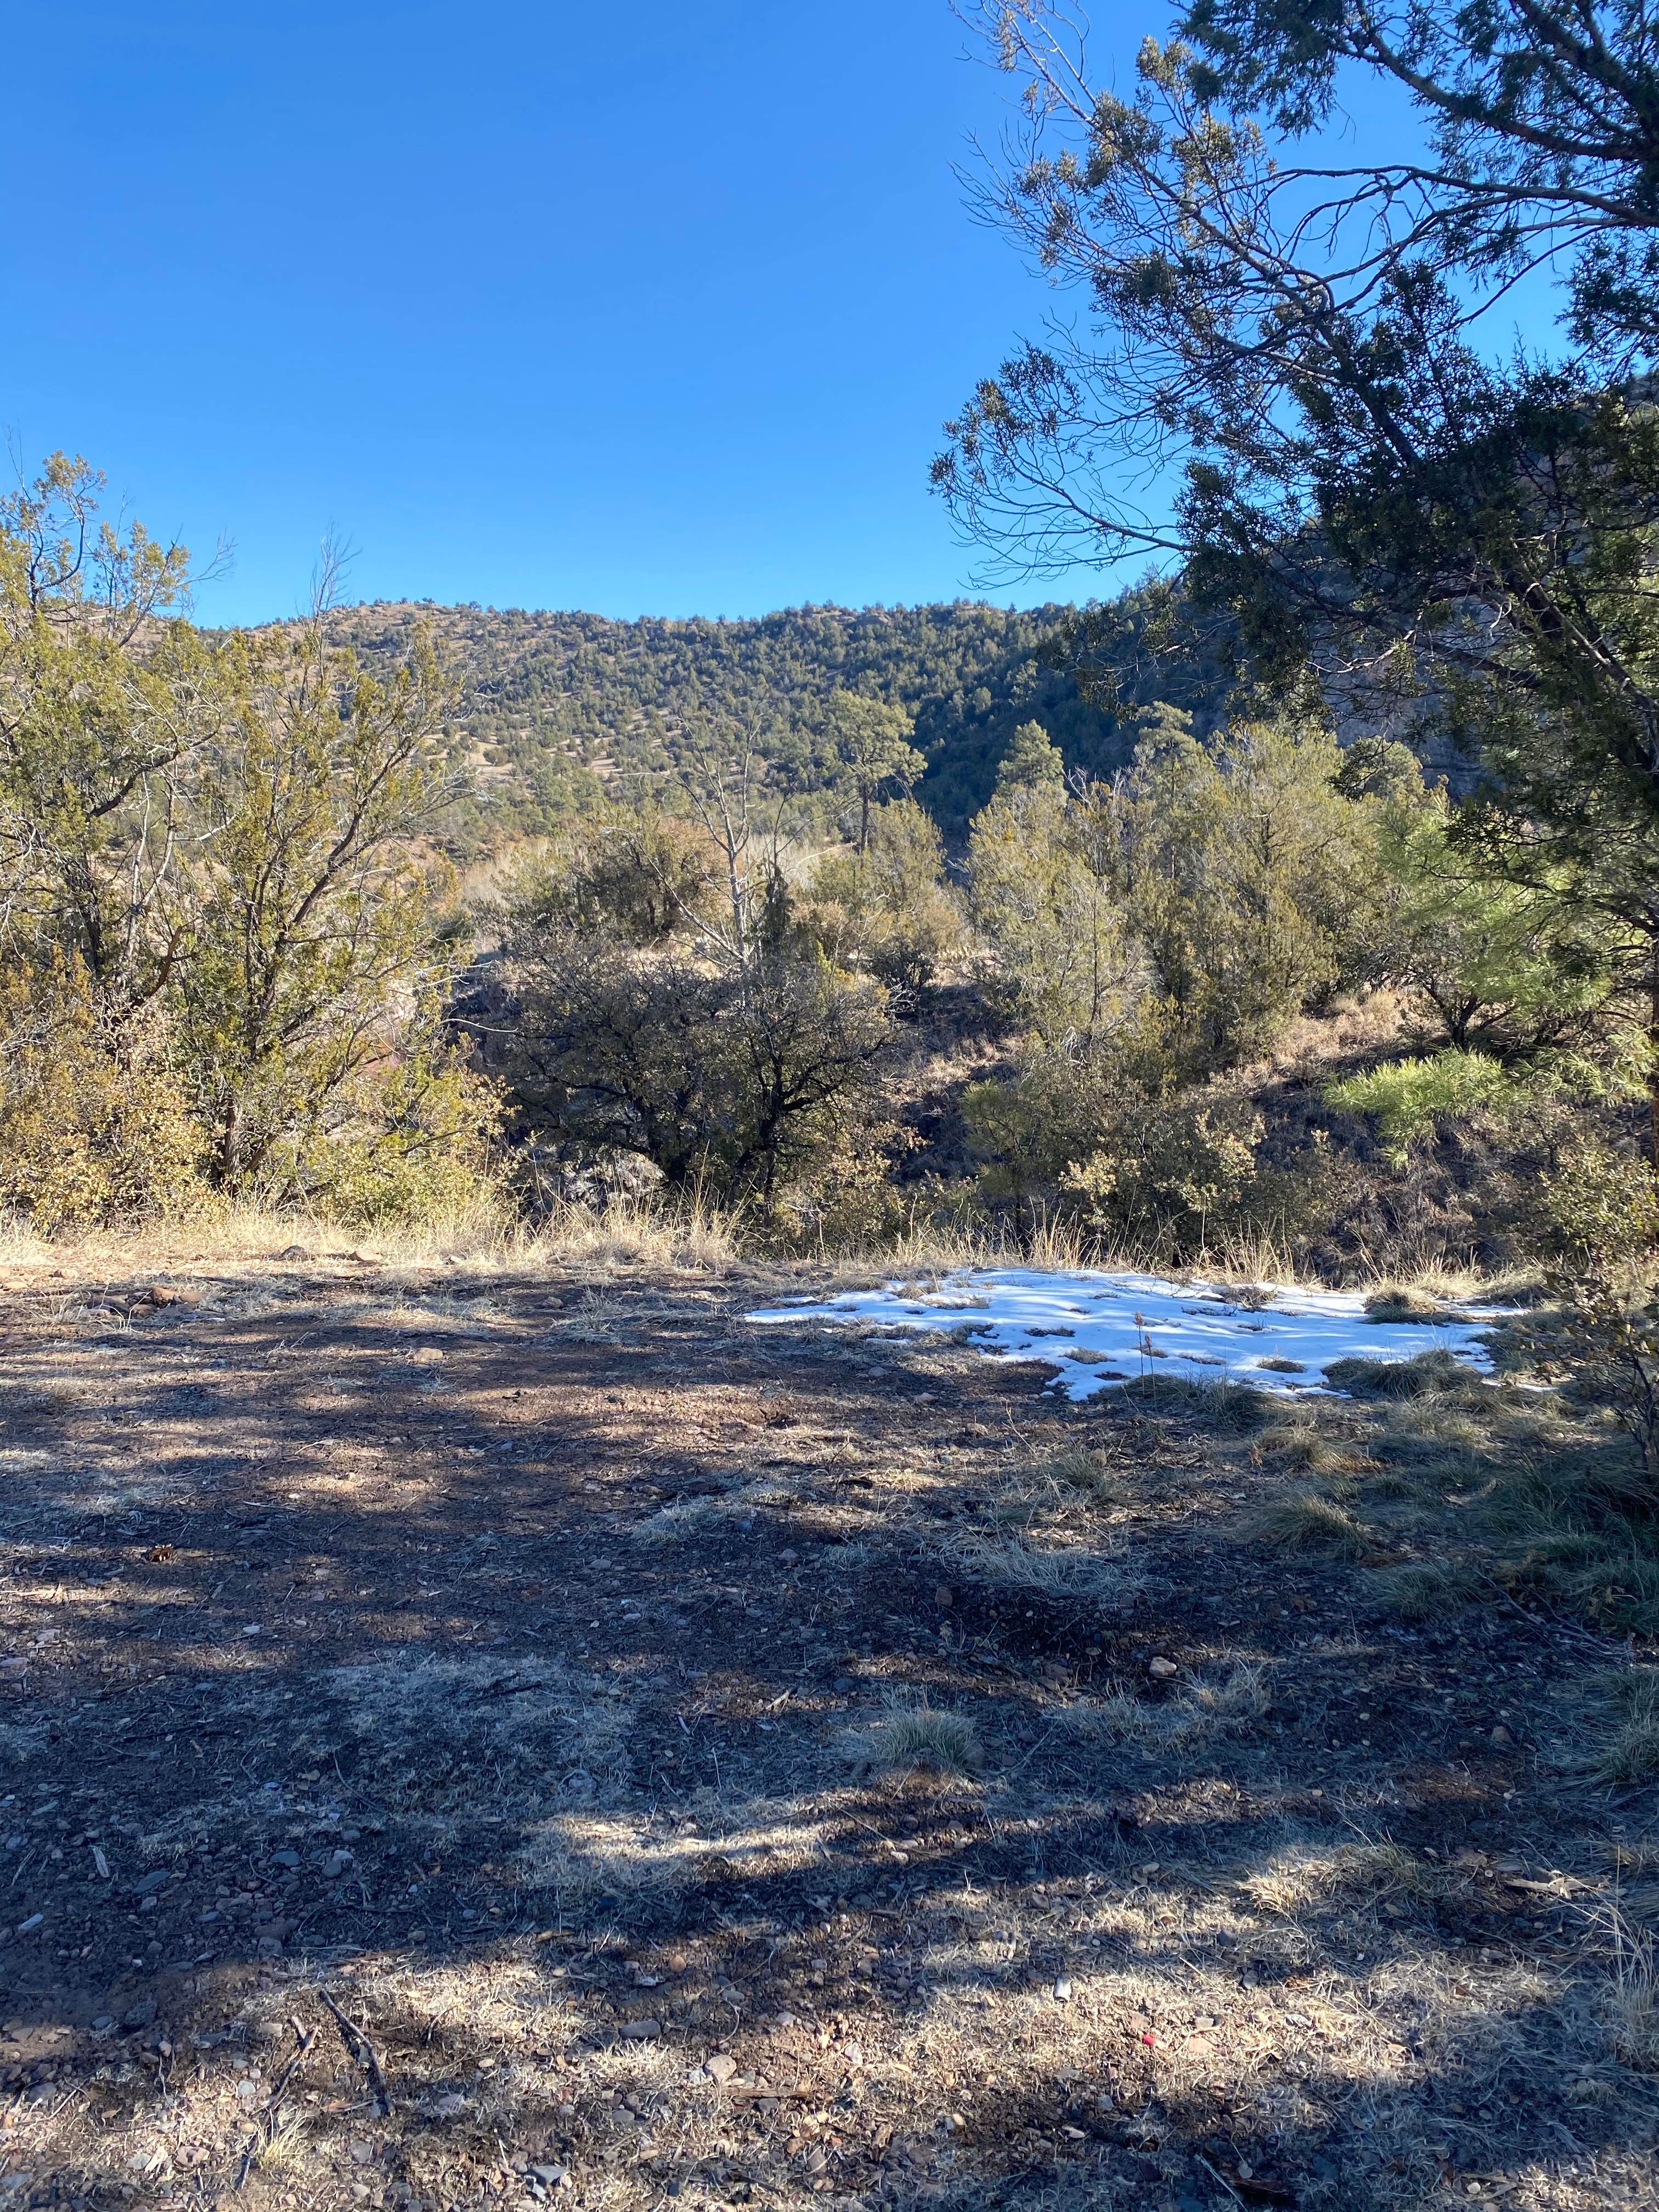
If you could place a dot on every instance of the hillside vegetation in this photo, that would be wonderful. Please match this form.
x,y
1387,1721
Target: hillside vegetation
x,y
553,706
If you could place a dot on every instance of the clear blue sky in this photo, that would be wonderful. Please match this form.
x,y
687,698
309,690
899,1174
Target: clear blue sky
x,y
651,309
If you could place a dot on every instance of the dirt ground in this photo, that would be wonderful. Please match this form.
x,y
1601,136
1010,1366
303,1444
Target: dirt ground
x,y
472,1735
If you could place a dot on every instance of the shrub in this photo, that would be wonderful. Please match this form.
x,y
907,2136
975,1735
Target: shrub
x,y
95,1127
1408,1099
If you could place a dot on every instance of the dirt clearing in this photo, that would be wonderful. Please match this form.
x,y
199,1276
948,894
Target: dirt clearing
x,y
483,1737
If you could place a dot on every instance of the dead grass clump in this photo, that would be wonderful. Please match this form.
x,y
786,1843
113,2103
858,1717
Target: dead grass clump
x,y
1087,1474
1304,1520
1426,1590
1631,2000
1430,1374
1407,1302
1302,1874
1630,1751
632,1232
1301,1448
1064,1572
689,1517
919,1738
1233,1406
1208,1707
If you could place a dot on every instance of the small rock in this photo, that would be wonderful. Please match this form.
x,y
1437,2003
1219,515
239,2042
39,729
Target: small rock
x,y
449,2106
641,2031
944,1597
853,2053
1063,1989
720,2068
336,1865
785,2020
151,1883
551,2177
27,1927
1162,1670
139,2015
361,2152
1502,1735
285,1858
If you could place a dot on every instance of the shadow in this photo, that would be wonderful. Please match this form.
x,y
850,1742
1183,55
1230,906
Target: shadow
x,y
503,1656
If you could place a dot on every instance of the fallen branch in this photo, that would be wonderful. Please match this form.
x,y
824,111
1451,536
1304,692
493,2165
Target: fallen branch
x,y
303,2039
359,2047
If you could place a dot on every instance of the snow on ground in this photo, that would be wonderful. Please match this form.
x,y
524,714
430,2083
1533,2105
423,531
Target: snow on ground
x,y
1102,1328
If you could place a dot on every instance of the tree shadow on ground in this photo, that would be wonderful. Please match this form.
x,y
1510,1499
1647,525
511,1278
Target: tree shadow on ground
x,y
510,1661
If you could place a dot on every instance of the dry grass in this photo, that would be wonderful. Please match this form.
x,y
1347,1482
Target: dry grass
x,y
913,1739
1213,1704
627,1234
1304,1520
1426,1590
1630,1751
1165,1922
1631,2001
1067,1573
444,1733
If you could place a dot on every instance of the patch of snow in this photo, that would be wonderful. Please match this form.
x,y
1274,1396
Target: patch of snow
x,y
1102,1329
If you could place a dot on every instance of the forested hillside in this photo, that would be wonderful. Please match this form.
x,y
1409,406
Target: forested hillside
x,y
554,703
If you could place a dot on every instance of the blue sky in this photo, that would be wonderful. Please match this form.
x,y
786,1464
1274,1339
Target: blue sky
x,y
653,310
657,309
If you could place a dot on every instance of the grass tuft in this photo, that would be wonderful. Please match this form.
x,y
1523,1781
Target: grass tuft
x,y
1431,1373
1063,1572
919,1738
1426,1590
1303,1521
1631,1751
1631,2001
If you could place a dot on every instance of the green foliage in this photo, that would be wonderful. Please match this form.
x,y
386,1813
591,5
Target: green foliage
x,y
872,749
95,1126
1509,967
632,874
216,847
1109,1144
1213,890
1598,1212
729,1081
309,914
1410,1099
407,1142
1032,762
577,706
1046,892
888,908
